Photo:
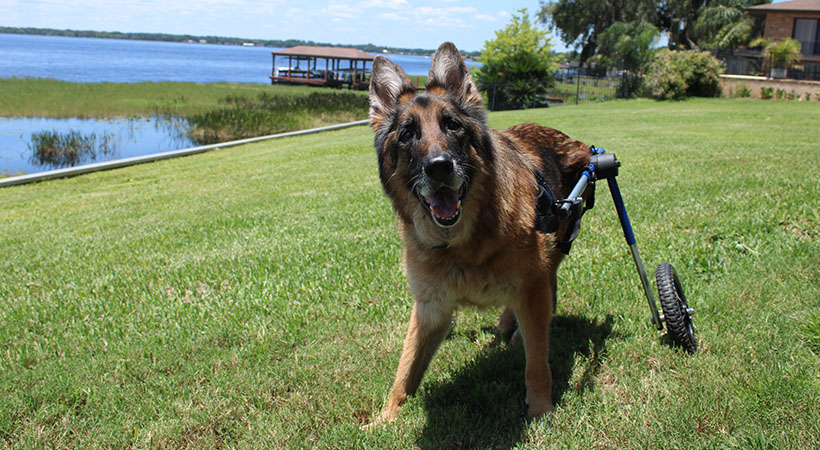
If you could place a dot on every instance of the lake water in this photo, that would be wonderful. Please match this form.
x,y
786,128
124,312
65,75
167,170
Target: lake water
x,y
90,60
113,139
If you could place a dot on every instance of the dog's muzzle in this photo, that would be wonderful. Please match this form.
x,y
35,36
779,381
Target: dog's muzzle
x,y
442,189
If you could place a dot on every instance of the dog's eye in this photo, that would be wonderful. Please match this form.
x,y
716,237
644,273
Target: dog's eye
x,y
406,136
452,125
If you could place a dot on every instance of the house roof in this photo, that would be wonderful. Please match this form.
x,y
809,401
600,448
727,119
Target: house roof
x,y
812,6
327,52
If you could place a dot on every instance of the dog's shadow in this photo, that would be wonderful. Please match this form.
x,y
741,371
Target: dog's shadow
x,y
482,405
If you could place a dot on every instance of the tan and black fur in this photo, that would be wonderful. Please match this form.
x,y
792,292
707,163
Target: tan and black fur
x,y
464,196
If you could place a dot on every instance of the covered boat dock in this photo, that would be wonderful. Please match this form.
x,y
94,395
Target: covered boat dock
x,y
322,66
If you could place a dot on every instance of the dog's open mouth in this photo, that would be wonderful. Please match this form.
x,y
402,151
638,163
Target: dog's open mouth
x,y
445,205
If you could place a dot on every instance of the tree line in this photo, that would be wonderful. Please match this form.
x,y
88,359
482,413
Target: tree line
x,y
222,40
689,24
519,67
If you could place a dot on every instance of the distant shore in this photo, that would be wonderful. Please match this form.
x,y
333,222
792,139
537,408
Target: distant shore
x,y
218,40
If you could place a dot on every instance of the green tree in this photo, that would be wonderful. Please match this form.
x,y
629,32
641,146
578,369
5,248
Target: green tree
x,y
783,54
517,64
580,22
689,24
778,56
678,18
628,45
723,25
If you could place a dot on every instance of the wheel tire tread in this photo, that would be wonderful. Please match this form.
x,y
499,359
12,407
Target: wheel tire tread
x,y
675,317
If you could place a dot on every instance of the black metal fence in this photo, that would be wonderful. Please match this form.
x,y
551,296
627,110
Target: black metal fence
x,y
804,72
570,87
573,86
745,62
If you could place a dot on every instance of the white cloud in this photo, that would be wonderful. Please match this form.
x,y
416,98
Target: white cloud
x,y
417,23
446,17
341,11
389,4
394,16
413,19
446,11
491,17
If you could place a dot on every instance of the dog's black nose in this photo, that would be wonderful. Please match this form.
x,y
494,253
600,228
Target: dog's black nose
x,y
439,166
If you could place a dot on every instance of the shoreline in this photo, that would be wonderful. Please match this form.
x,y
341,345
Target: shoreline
x,y
52,98
213,40
212,113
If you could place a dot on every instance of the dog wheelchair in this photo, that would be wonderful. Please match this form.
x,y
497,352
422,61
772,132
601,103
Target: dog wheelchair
x,y
677,314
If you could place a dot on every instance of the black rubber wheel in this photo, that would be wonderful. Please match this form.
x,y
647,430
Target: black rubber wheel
x,y
676,312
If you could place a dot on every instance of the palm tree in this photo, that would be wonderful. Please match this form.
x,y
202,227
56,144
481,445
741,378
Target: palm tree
x,y
781,54
723,25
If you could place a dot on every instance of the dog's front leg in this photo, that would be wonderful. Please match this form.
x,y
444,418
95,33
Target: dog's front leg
x,y
429,325
534,317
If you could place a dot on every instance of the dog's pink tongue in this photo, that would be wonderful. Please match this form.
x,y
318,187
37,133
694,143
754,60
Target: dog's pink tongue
x,y
444,203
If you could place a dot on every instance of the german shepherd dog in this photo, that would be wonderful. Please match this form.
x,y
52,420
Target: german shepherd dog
x,y
465,200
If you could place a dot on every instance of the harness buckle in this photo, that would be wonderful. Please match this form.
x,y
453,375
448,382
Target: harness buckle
x,y
549,212
546,214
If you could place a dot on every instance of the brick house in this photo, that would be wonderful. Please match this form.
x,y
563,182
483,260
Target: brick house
x,y
797,19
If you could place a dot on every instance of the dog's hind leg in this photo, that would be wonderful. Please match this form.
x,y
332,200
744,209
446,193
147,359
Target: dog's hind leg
x,y
534,317
429,325
507,323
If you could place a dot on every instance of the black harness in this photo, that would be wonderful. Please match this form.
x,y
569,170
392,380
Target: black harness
x,y
546,206
548,214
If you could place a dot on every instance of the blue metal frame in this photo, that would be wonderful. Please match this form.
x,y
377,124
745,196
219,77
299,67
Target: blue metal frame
x,y
589,175
629,235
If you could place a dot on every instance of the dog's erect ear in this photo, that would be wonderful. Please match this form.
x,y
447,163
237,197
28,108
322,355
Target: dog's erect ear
x,y
388,86
449,73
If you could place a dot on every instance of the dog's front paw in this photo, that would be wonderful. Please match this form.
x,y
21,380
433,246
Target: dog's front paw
x,y
540,411
539,402
385,417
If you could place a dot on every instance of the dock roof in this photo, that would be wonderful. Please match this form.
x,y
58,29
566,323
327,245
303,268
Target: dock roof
x,y
326,52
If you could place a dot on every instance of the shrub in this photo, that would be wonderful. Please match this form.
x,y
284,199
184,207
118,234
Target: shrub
x,y
665,84
766,93
631,85
742,91
517,65
680,74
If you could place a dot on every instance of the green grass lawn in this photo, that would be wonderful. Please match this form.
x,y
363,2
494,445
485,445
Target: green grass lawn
x,y
252,298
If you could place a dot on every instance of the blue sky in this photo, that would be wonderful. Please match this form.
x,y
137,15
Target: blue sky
x,y
395,23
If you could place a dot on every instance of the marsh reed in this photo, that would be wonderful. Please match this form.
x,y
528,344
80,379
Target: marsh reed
x,y
242,116
57,149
